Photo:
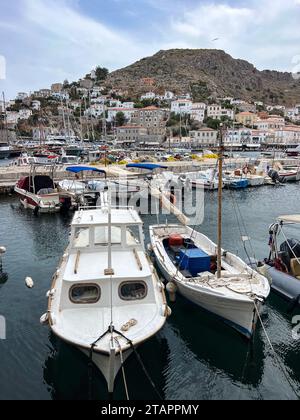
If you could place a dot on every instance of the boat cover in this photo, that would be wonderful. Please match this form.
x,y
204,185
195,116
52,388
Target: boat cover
x,y
290,219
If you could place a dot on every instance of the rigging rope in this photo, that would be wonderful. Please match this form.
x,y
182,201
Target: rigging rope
x,y
123,369
112,330
280,365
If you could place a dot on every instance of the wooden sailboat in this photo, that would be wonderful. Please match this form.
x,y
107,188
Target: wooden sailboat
x,y
207,275
106,297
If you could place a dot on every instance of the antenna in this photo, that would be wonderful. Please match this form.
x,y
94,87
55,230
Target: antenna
x,y
220,193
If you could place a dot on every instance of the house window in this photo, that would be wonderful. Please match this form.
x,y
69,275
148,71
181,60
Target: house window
x,y
85,294
131,291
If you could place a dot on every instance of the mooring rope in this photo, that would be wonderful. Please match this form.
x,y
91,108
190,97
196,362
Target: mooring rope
x,y
280,365
112,330
123,369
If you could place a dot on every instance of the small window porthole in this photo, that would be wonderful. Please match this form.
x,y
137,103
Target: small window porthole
x,y
133,291
85,294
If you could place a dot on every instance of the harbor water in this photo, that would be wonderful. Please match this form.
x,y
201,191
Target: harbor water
x,y
194,357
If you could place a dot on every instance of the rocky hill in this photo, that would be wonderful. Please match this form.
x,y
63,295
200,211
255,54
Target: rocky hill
x,y
206,73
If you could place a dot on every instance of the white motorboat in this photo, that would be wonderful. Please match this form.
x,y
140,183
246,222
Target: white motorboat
x,y
207,275
106,296
38,191
204,179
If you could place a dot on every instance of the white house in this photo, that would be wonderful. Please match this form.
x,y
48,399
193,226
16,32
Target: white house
x,y
36,105
198,111
238,137
272,123
203,138
95,111
183,106
12,117
291,113
289,136
127,105
271,108
169,96
148,95
24,114
61,96
115,103
96,91
98,100
112,113
217,112
83,92
21,96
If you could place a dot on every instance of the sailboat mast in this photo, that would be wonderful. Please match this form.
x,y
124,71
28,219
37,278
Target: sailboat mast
x,y
5,118
220,196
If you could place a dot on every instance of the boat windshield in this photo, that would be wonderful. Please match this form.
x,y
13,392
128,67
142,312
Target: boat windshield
x,y
82,237
101,235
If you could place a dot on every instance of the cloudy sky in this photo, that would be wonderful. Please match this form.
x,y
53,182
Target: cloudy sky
x,y
45,41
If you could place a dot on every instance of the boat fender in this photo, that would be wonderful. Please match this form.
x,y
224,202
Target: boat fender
x,y
36,211
29,282
293,304
168,312
44,320
50,293
2,250
26,203
264,271
172,289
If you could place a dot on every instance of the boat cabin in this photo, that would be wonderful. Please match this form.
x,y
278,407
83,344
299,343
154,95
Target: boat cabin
x,y
106,261
39,185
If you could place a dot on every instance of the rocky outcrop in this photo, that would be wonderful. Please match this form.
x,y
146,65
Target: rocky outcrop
x,y
206,73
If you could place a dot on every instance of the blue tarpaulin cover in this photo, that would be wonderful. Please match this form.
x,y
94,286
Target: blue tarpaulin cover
x,y
147,166
78,169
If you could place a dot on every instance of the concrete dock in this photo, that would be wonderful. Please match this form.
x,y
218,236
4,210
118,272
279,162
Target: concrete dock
x,y
11,174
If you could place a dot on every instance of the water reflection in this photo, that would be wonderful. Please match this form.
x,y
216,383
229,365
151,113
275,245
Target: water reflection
x,y
67,374
217,345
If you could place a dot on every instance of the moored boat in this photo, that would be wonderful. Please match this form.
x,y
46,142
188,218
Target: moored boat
x,y
188,259
38,192
283,264
106,298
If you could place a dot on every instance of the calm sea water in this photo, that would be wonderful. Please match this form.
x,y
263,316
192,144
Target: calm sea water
x,y
194,357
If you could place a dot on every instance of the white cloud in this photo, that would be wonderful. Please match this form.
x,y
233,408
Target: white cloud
x,y
265,32
51,40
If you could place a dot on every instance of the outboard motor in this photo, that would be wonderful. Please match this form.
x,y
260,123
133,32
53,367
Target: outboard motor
x,y
274,175
289,250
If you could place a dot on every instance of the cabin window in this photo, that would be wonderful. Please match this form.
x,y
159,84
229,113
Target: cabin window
x,y
85,294
82,238
101,235
133,291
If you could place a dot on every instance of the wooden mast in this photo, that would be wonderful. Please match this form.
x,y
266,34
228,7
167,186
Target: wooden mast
x,y
220,196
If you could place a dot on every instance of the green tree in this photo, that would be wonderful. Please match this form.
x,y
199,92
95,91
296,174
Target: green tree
x,y
101,73
120,119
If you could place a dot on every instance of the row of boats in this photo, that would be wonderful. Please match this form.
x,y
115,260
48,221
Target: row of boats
x,y
107,298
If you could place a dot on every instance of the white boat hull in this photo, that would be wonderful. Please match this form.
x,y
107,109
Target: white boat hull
x,y
238,310
45,204
109,366
239,315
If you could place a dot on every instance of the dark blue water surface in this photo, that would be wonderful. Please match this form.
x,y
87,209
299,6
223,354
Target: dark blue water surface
x,y
194,356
